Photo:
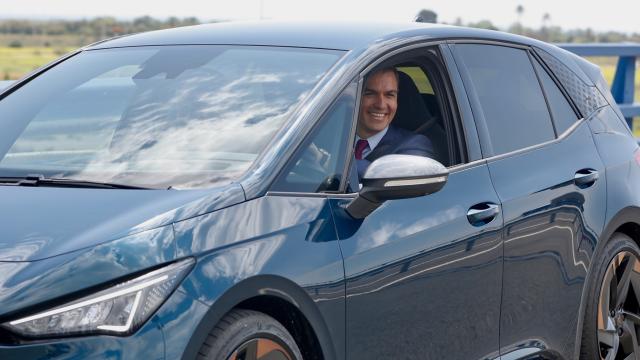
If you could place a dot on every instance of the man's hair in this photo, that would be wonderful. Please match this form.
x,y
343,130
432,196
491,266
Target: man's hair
x,y
384,70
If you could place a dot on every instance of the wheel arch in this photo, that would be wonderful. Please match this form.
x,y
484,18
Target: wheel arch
x,y
626,221
260,293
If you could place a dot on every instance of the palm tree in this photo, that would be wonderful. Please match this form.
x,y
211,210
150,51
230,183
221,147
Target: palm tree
x,y
520,11
546,18
544,30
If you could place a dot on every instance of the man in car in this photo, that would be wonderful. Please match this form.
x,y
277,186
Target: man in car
x,y
375,136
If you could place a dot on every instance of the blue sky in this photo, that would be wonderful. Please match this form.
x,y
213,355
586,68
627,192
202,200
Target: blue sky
x,y
619,15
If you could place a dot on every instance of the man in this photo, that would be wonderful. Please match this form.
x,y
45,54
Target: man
x,y
375,136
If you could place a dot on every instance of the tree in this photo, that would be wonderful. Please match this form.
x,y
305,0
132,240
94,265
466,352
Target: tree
x,y
517,28
427,16
483,24
546,18
544,30
520,11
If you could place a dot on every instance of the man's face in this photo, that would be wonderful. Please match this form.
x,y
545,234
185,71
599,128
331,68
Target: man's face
x,y
379,103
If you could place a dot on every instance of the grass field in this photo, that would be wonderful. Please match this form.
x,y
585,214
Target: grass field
x,y
17,62
608,66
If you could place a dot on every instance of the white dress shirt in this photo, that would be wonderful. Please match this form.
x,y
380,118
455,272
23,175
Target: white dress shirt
x,y
373,141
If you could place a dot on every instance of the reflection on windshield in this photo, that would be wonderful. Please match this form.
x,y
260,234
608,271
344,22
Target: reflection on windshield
x,y
185,116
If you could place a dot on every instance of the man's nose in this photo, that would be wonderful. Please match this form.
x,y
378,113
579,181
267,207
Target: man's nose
x,y
379,101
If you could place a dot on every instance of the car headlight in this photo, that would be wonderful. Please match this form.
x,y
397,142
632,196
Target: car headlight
x,y
120,309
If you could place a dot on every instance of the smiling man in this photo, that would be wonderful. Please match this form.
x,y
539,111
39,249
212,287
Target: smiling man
x,y
375,137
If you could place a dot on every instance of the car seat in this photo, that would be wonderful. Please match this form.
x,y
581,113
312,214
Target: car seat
x,y
412,114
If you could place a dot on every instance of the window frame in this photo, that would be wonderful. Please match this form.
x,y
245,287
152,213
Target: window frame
x,y
352,86
450,108
433,67
534,57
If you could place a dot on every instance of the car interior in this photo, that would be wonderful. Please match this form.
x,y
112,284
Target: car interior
x,y
424,104
419,112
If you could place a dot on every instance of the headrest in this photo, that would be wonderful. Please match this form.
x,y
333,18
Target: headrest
x,y
411,112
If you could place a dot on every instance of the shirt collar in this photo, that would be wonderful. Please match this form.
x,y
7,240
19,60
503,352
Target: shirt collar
x,y
374,140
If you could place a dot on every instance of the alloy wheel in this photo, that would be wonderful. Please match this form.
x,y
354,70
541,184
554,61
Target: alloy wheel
x,y
619,309
261,349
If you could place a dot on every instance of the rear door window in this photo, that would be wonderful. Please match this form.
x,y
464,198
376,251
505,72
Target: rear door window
x,y
511,100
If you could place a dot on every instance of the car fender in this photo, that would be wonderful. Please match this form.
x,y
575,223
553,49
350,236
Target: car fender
x,y
262,285
629,214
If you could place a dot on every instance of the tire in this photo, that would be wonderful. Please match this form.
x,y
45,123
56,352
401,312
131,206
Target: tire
x,y
612,318
249,335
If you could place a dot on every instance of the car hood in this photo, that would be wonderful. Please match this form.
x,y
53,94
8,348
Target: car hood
x,y
41,222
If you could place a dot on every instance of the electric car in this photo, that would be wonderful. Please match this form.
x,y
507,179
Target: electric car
x,y
192,194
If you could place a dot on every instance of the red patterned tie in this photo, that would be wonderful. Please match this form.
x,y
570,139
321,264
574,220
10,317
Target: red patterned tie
x,y
360,146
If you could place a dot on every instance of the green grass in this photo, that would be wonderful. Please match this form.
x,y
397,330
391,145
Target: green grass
x,y
608,67
17,62
57,41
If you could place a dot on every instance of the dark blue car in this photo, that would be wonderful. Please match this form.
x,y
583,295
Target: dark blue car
x,y
194,194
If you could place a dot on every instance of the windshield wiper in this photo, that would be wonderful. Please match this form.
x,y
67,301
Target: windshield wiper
x,y
41,180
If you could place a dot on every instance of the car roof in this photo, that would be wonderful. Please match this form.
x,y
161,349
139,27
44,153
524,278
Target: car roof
x,y
358,37
326,35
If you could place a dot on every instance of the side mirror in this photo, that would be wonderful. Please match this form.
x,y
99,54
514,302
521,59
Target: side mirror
x,y
394,177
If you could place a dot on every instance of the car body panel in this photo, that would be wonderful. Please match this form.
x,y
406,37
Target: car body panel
x,y
551,228
402,259
175,320
276,239
105,215
25,286
178,319
148,343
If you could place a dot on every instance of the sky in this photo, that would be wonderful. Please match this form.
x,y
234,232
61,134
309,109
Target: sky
x,y
617,15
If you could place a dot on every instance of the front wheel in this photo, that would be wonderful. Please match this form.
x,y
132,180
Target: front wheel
x,y
249,335
612,318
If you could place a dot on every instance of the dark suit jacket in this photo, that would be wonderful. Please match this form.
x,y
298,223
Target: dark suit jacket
x,y
397,141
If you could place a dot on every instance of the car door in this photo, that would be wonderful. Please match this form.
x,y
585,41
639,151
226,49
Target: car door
x,y
423,275
550,181
301,195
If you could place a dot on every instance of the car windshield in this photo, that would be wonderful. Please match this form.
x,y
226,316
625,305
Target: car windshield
x,y
157,116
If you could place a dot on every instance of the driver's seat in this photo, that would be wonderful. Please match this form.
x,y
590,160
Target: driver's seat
x,y
412,114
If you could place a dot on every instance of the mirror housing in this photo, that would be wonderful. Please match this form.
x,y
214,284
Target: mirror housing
x,y
394,177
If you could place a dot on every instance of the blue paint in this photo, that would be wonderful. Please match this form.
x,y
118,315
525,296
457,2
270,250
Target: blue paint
x,y
414,276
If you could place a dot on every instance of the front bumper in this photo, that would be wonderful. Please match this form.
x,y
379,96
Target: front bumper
x,y
164,336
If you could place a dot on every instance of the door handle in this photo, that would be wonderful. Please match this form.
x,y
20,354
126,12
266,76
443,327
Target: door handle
x,y
585,178
482,214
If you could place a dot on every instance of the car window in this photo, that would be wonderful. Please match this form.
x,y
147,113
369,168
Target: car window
x,y
156,116
419,108
510,96
319,164
561,111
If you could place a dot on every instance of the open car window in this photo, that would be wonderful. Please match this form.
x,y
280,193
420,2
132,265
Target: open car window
x,y
420,105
